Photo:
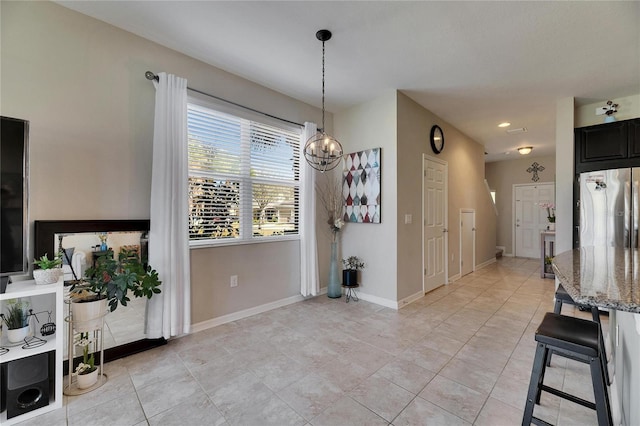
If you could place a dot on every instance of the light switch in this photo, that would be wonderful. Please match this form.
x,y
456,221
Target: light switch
x,y
408,219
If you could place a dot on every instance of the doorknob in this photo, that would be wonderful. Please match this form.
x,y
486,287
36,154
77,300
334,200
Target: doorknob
x,y
445,230
517,226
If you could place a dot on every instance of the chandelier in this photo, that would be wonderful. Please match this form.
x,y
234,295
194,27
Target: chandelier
x,y
322,151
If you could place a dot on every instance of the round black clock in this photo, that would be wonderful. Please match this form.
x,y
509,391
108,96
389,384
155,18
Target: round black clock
x,y
437,139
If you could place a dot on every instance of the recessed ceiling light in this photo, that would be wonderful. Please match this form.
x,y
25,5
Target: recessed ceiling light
x,y
524,150
505,124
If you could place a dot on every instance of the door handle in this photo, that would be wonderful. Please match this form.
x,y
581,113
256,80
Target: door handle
x,y
445,230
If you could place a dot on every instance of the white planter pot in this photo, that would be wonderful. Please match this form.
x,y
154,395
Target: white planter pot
x,y
47,276
85,381
17,335
87,316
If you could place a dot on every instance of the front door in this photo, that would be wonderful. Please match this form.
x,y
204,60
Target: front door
x,y
434,200
529,217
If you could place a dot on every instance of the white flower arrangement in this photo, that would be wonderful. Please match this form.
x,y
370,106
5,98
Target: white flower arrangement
x,y
88,360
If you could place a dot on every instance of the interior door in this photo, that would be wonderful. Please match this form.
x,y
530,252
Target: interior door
x,y
530,218
435,234
467,241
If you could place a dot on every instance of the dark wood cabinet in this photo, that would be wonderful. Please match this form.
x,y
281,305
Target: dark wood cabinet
x,y
607,146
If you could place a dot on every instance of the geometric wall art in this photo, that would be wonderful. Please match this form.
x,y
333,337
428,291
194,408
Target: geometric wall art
x,y
361,186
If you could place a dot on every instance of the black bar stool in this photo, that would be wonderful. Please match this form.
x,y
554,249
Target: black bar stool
x,y
573,338
563,297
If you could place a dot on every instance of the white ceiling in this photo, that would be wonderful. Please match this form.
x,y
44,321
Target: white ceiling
x,y
474,64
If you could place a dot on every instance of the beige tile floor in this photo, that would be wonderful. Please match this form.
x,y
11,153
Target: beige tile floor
x,y
461,355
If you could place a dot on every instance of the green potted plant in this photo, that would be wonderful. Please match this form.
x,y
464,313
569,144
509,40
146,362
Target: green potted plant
x,y
350,272
49,272
16,320
111,281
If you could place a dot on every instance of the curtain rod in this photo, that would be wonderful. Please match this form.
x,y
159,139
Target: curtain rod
x,y
151,76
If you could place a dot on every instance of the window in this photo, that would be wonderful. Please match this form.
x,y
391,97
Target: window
x,y
244,178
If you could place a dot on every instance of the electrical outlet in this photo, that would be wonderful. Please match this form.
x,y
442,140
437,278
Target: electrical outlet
x,y
234,281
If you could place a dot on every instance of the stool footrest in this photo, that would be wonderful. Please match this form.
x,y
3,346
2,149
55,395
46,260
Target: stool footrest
x,y
539,422
569,397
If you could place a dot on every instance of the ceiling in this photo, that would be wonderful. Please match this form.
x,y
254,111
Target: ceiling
x,y
474,64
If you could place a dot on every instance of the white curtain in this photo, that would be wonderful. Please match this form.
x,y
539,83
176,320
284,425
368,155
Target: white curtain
x,y
309,279
169,313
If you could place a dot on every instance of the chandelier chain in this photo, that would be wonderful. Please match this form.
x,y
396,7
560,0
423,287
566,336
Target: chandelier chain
x,y
323,86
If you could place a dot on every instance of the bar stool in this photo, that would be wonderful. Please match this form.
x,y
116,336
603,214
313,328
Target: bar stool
x,y
573,338
561,297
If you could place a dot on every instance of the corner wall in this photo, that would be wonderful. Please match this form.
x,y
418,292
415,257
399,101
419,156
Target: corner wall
x,y
373,125
501,176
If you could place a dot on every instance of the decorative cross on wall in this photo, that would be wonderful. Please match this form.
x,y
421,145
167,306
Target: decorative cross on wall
x,y
535,168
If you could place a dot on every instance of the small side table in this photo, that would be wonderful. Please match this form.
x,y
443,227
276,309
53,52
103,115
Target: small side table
x,y
351,292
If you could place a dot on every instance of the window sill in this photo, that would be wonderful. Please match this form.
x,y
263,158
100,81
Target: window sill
x,y
194,245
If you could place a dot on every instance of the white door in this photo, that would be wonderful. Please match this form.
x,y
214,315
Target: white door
x,y
529,217
434,212
467,241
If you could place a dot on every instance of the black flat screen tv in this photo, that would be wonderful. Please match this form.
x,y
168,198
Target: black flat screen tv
x,y
14,139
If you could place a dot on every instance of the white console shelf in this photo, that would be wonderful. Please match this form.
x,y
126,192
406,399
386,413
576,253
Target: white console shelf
x,y
29,288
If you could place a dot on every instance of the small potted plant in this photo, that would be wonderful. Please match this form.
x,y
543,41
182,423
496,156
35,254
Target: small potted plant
x,y
86,371
350,272
111,281
49,272
17,320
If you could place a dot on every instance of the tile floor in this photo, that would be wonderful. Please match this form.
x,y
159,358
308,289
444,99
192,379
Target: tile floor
x,y
461,355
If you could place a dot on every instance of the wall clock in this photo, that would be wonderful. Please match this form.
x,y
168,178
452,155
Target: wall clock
x,y
437,139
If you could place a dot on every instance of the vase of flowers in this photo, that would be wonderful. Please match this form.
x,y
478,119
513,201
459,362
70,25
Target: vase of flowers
x,y
331,198
551,214
350,272
86,372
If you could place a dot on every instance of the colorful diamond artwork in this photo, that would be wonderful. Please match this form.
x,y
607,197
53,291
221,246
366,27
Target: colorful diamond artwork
x,y
361,186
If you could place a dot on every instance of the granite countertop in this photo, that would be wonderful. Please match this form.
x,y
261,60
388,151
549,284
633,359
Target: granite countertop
x,y
606,277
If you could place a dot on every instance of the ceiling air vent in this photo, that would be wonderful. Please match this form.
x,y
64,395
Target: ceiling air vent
x,y
518,130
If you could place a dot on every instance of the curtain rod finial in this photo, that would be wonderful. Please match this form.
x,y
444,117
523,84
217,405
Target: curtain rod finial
x,y
150,75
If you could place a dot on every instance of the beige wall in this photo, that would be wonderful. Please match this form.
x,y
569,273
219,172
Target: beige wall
x,y
465,159
373,125
393,250
501,176
81,84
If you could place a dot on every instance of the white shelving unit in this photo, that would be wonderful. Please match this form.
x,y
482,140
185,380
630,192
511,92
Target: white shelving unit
x,y
29,288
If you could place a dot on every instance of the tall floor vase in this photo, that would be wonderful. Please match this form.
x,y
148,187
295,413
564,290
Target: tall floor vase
x,y
334,288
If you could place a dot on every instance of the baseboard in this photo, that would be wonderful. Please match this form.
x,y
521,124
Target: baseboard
x,y
507,254
410,299
485,264
387,303
247,313
454,278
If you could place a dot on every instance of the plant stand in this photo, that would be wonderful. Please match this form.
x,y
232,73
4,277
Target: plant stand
x,y
351,292
97,346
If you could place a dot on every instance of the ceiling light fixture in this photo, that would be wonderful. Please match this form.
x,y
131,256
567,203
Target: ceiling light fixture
x,y
505,124
524,150
322,151
518,130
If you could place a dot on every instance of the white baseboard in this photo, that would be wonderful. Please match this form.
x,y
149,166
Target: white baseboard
x,y
487,263
454,278
247,312
410,299
387,303
507,254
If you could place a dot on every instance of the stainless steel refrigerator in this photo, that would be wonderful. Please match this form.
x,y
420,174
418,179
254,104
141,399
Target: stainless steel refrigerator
x,y
609,208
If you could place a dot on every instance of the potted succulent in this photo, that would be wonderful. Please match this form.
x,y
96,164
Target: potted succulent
x,y
49,272
17,320
111,281
86,371
350,272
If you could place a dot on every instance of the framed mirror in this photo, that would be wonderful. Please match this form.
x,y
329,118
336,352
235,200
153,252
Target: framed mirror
x,y
80,243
